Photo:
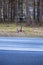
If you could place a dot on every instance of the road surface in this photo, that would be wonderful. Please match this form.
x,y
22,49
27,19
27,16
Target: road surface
x,y
21,51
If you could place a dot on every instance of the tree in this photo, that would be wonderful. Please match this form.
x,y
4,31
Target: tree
x,y
38,10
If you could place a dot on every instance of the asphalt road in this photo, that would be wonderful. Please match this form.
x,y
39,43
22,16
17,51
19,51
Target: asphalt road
x,y
21,51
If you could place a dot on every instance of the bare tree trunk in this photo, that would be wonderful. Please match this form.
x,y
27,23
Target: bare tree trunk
x,y
28,19
38,11
34,9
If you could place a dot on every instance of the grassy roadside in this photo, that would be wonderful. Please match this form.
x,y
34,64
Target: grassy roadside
x,y
10,30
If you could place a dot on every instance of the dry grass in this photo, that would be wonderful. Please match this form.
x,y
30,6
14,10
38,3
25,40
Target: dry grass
x,y
10,30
